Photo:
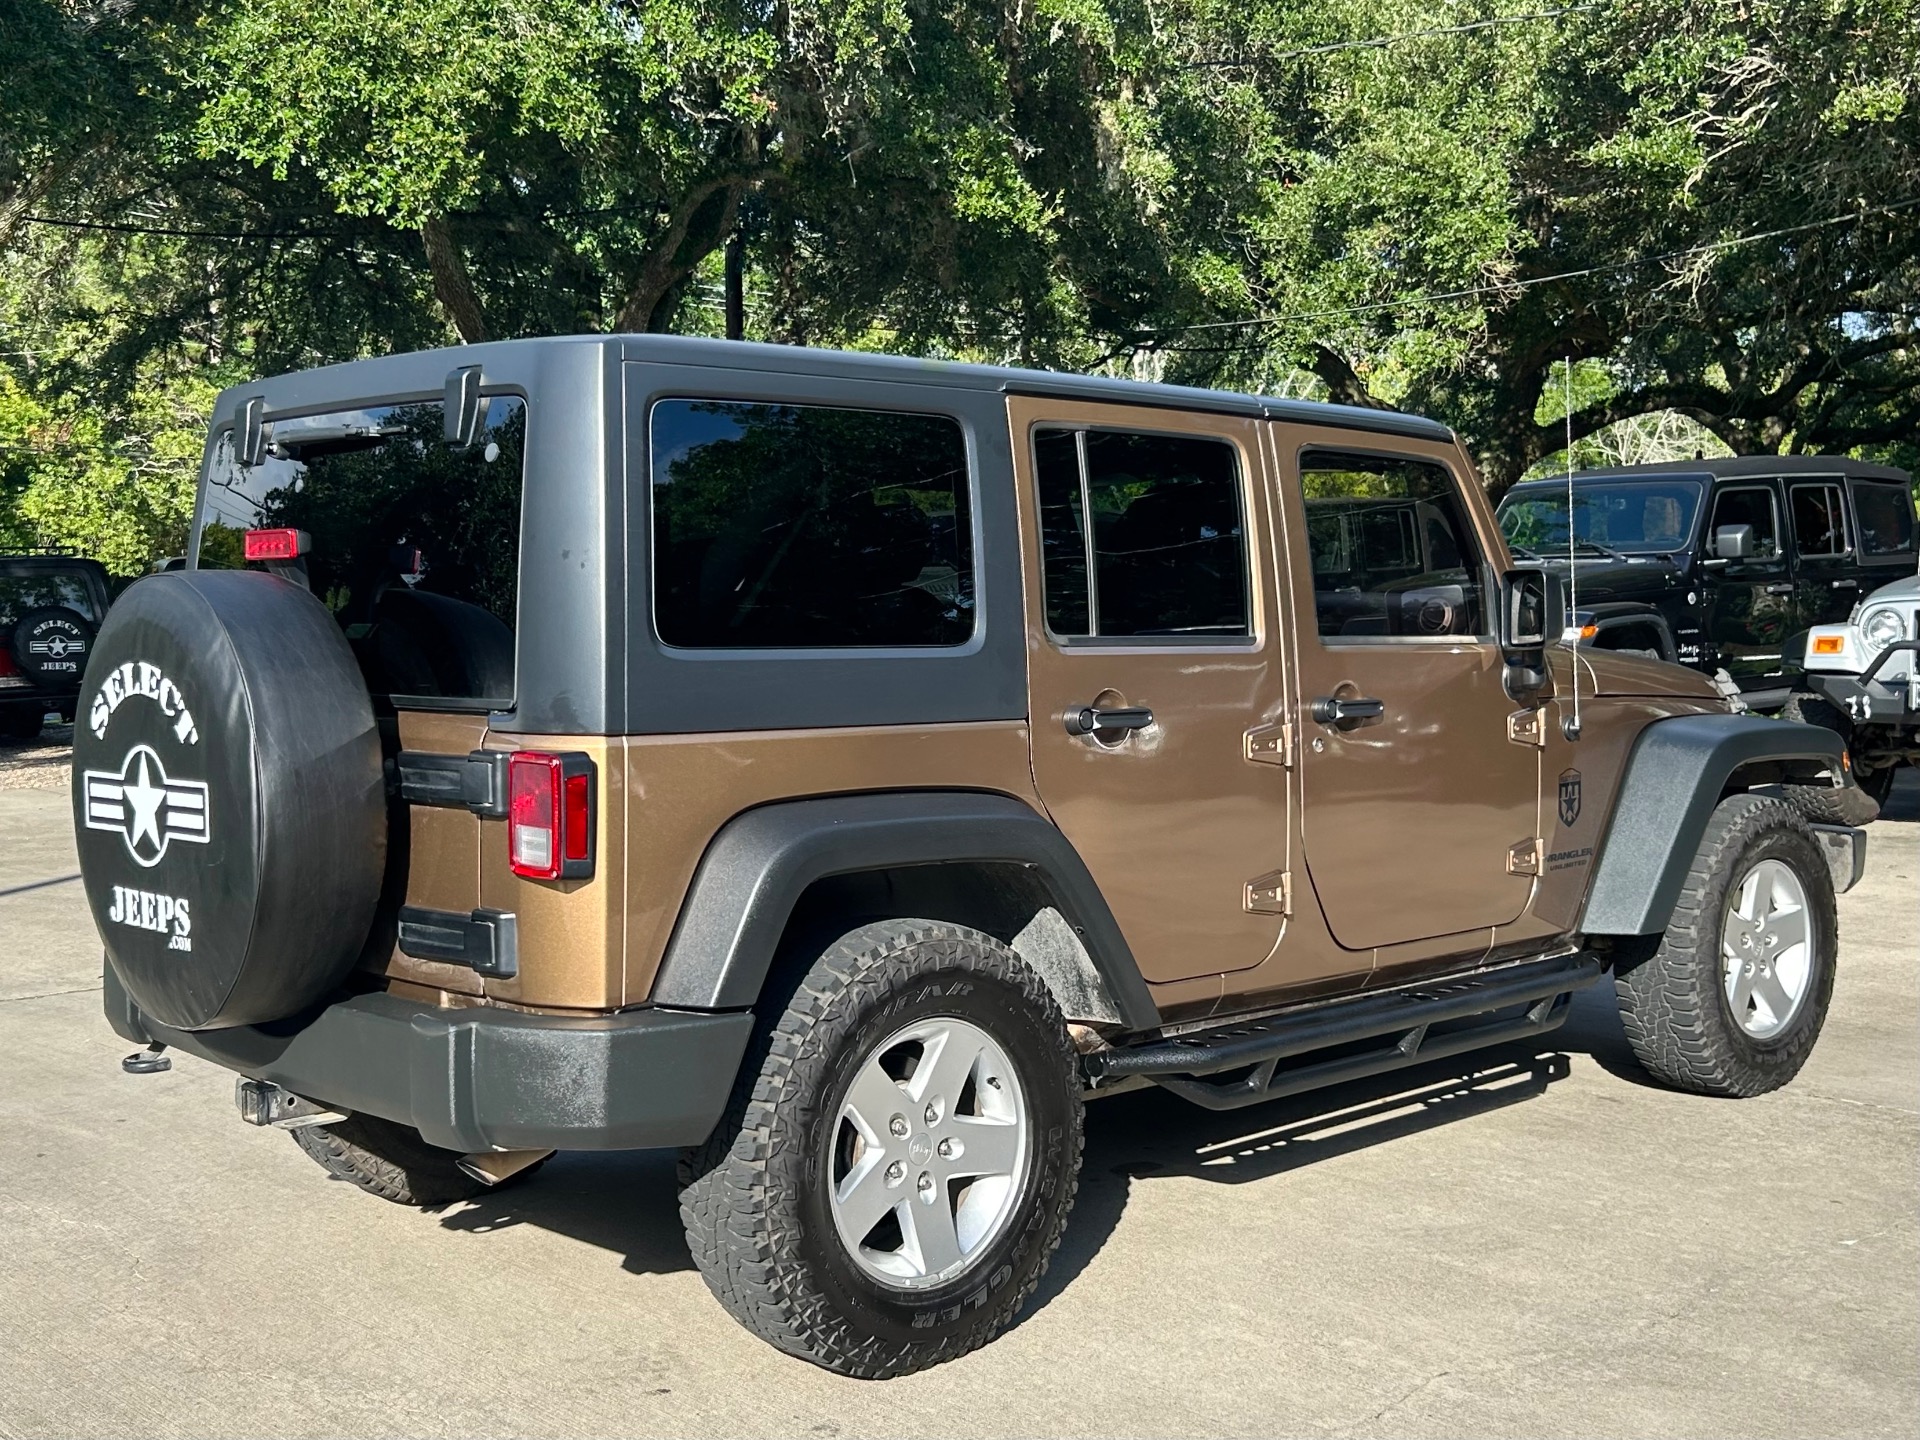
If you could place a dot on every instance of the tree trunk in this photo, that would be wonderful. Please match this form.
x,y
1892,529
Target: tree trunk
x,y
696,225
452,286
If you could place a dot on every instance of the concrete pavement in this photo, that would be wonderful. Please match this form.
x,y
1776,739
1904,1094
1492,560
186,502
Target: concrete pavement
x,y
1530,1242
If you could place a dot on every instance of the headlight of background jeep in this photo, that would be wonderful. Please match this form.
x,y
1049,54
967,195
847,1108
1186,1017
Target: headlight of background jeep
x,y
1881,628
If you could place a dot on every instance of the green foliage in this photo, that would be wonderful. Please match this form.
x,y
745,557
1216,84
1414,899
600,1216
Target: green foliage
x,y
1190,190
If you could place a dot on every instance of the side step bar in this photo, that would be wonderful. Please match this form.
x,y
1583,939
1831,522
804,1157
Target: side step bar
x,y
1538,992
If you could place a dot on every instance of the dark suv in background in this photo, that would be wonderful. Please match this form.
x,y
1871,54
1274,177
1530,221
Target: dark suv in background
x,y
50,608
1720,564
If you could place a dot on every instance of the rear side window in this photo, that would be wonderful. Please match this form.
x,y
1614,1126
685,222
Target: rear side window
x,y
1394,555
1141,535
1885,512
415,546
805,526
1819,520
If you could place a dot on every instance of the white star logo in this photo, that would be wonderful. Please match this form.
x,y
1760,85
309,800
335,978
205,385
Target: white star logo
x,y
144,807
144,799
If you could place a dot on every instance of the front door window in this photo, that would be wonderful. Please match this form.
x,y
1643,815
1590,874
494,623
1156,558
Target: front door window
x,y
1411,818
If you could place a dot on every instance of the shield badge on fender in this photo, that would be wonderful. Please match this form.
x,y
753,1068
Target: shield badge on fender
x,y
1569,796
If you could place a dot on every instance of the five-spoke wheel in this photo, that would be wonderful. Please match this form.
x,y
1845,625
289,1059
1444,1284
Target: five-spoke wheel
x,y
928,1152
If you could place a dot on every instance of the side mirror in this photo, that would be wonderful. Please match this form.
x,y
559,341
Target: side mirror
x,y
465,408
1533,608
1533,611
1733,542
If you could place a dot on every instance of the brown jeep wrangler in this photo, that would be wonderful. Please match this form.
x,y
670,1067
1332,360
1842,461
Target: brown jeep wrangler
x,y
842,767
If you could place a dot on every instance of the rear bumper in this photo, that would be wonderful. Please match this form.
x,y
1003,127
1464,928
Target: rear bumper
x,y
486,1079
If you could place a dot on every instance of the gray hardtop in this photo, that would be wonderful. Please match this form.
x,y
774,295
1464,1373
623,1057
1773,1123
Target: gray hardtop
x,y
1733,467
421,373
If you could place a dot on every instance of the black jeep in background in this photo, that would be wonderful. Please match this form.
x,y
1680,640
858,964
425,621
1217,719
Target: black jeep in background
x,y
1720,564
50,608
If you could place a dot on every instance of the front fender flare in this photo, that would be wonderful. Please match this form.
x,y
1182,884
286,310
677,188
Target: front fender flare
x,y
1675,776
762,861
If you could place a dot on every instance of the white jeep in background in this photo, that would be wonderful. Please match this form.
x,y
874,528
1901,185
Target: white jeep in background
x,y
1863,680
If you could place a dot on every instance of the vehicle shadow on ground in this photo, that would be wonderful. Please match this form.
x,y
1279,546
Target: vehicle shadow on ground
x,y
625,1203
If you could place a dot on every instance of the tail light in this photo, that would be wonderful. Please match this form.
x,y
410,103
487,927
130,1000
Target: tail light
x,y
277,544
7,664
550,815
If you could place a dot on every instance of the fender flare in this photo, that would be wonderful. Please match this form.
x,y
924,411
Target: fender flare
x,y
1675,775
760,863
1619,614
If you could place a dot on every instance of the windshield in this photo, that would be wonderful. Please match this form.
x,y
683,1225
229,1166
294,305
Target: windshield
x,y
1631,516
413,545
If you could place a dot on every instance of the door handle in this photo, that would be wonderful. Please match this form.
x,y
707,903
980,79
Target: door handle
x,y
1087,719
1331,711
1783,588
1846,585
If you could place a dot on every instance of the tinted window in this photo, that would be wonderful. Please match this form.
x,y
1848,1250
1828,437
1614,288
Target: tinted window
x,y
1885,511
415,545
1750,506
1166,546
1393,554
23,592
783,526
1819,519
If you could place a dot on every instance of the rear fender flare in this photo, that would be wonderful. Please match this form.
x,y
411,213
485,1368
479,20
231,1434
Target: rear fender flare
x,y
1678,771
762,861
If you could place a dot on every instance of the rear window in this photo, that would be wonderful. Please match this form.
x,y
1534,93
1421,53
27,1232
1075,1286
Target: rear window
x,y
805,526
20,593
415,545
1885,511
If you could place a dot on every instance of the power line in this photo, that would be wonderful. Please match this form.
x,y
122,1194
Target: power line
x,y
1508,286
1376,42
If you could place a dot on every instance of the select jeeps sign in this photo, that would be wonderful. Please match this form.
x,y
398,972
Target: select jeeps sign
x,y
149,804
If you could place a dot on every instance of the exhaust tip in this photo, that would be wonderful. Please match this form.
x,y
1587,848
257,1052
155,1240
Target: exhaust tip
x,y
492,1167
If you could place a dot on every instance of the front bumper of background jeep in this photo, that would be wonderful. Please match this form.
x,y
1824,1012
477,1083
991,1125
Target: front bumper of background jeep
x,y
482,1078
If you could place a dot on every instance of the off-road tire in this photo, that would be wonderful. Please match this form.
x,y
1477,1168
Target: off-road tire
x,y
1821,804
393,1162
1877,785
753,1198
1827,805
1673,1005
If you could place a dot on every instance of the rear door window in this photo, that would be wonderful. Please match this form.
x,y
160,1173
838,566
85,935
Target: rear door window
x,y
809,527
1884,509
1819,520
413,545
1142,535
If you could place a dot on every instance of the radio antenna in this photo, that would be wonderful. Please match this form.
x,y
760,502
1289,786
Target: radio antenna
x,y
1571,726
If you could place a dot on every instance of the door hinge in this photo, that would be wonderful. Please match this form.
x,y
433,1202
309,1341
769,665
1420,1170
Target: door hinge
x,y
1271,894
1271,744
1524,858
1528,727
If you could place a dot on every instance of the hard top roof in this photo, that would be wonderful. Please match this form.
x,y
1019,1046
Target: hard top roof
x,y
1738,467
749,356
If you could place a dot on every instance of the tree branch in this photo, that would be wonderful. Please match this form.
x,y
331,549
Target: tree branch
x,y
678,251
452,285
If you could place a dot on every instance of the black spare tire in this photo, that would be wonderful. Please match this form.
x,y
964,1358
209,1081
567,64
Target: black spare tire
x,y
228,798
52,644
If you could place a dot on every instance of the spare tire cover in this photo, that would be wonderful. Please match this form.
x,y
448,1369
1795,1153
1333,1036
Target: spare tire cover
x,y
52,644
228,798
